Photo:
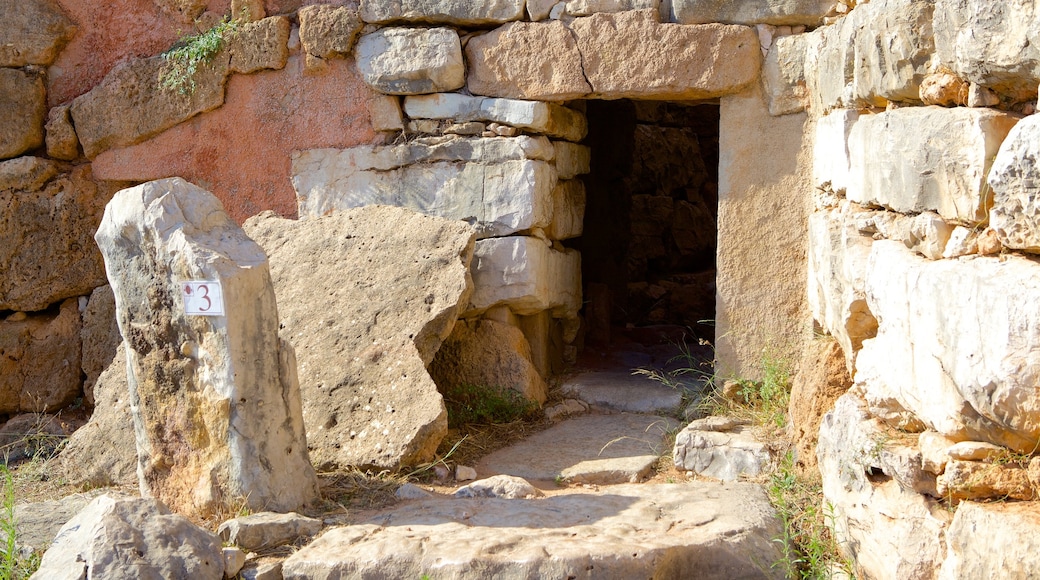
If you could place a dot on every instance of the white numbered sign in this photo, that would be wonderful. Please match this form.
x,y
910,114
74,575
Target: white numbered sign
x,y
203,298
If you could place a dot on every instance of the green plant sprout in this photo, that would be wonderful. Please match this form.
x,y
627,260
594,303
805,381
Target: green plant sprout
x,y
181,63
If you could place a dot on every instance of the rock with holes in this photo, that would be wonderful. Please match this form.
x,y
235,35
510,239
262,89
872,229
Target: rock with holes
x,y
992,540
130,538
217,414
893,161
500,185
777,12
724,452
838,257
1015,180
40,360
693,530
954,347
266,530
887,530
411,61
34,32
366,307
464,13
526,274
327,31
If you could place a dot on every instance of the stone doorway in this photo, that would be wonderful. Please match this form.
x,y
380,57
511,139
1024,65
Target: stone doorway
x,y
650,230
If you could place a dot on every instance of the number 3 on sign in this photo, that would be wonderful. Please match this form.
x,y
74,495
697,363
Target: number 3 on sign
x,y
203,298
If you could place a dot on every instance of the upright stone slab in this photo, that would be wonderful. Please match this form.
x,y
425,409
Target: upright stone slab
x,y
23,109
777,12
215,400
465,13
917,159
411,61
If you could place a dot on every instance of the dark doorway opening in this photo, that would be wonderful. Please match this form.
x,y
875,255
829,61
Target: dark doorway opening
x,y
649,242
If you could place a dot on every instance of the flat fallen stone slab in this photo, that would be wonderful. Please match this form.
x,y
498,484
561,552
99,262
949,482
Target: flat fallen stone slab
x,y
623,391
601,449
689,530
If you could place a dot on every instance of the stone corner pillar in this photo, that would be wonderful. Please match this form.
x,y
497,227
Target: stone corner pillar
x,y
215,400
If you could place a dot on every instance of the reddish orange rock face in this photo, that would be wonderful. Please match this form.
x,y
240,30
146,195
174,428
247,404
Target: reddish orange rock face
x,y
241,151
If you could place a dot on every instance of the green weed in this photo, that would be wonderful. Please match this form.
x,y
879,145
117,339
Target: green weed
x,y
183,61
13,564
474,404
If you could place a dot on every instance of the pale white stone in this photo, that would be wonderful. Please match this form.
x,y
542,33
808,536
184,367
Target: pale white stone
x,y
411,61
831,161
536,116
980,96
955,346
590,7
265,530
992,540
891,532
933,448
501,486
1015,180
234,559
783,75
225,383
465,473
539,9
572,159
962,242
917,159
568,219
457,12
527,275
929,234
411,491
973,451
726,454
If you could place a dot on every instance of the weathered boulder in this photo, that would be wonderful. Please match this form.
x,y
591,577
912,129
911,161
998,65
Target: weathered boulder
x,y
23,108
213,392
500,185
34,32
838,258
693,530
721,449
535,116
47,218
131,538
267,530
979,480
880,52
38,523
104,451
954,347
500,486
411,61
1015,181
783,75
488,354
821,377
40,360
889,531
996,540
894,161
327,31
527,275
60,137
463,13
992,44
395,293
778,12
99,336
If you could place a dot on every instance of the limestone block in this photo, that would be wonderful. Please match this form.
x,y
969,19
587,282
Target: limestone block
x,y
456,12
47,219
777,12
572,159
993,44
954,347
385,111
500,486
500,185
540,9
974,451
590,7
34,32
838,261
266,530
929,234
977,480
126,538
917,159
259,45
510,62
367,306
61,139
568,215
538,117
996,540
103,452
491,354
880,52
889,531
526,275
944,88
216,402
831,161
23,107
248,10
551,537
100,337
724,454
933,448
328,31
411,61
783,75
1015,180
631,55
40,360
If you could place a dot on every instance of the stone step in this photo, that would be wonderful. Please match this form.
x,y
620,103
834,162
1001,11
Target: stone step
x,y
594,449
689,530
623,391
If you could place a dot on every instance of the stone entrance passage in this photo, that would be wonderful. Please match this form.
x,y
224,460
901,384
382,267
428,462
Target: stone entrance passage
x,y
649,243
